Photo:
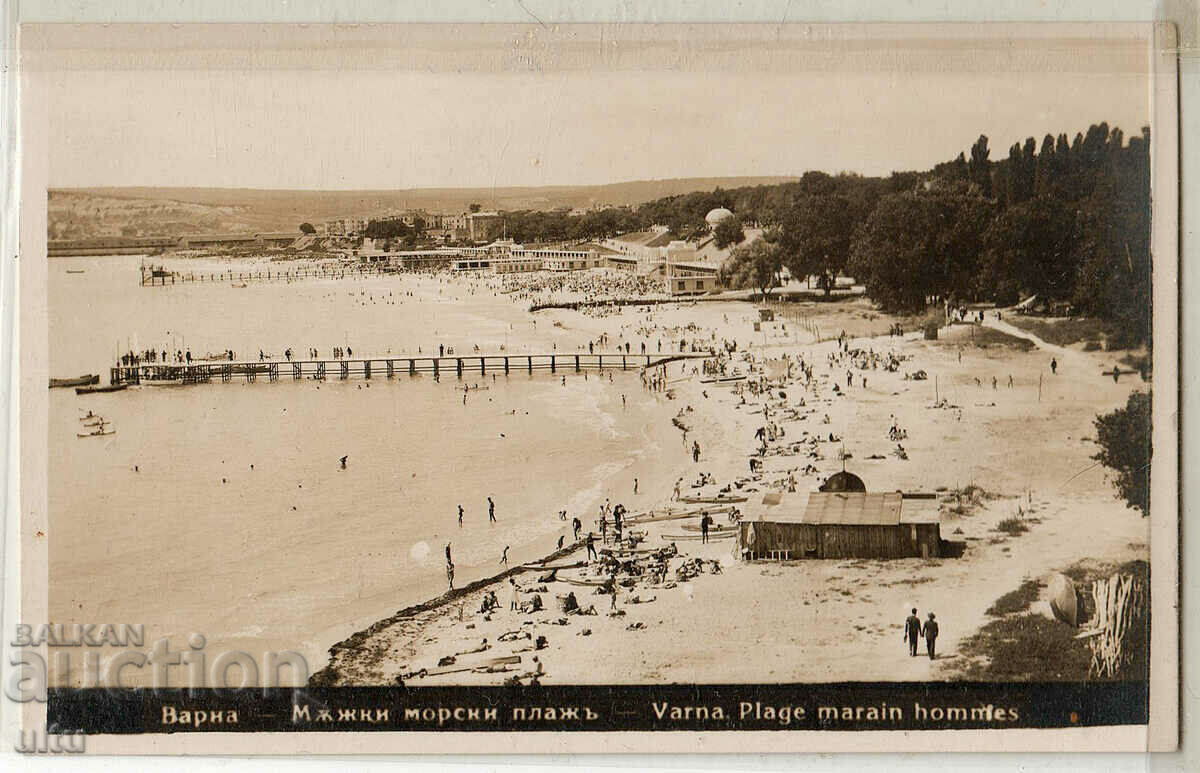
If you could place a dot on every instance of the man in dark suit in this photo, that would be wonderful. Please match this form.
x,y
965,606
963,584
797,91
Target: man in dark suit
x,y
930,632
912,630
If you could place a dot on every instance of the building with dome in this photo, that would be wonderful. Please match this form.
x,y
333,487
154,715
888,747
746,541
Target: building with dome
x,y
716,216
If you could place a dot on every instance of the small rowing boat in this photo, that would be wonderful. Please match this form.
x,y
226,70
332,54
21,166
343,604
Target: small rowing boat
x,y
712,535
75,270
87,390
95,434
717,500
722,380
84,380
162,382
711,529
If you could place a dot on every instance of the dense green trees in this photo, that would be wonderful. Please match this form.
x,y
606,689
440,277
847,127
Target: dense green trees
x,y
1067,222
729,231
753,266
1126,449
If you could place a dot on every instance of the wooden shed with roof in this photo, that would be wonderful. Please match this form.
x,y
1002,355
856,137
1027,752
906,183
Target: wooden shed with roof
x,y
840,524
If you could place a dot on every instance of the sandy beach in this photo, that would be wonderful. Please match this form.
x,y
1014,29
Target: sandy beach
x,y
1027,446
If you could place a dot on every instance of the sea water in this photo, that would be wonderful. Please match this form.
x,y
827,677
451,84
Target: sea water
x,y
222,508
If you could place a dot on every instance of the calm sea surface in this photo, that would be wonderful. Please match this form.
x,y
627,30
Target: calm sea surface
x,y
238,522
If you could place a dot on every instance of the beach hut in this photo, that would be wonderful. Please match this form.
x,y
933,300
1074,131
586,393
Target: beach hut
x,y
840,524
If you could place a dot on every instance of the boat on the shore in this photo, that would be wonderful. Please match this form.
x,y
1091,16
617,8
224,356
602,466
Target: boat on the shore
x,y
101,433
711,529
712,535
717,500
75,270
84,380
722,380
87,390
162,382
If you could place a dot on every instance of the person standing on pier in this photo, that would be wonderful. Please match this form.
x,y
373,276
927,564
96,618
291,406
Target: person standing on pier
x,y
492,512
460,517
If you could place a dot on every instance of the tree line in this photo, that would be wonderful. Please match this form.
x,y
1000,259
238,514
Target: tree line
x,y
1069,221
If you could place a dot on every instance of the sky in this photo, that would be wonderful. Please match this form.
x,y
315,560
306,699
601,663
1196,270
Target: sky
x,y
446,110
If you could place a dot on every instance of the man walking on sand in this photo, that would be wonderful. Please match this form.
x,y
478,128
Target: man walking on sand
x,y
504,557
491,510
576,525
930,632
912,631
591,547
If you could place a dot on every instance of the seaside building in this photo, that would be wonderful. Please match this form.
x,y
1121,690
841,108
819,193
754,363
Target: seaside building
x,y
345,226
485,226
209,241
841,524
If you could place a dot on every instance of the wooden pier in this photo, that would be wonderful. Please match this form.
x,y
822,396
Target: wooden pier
x,y
159,277
197,372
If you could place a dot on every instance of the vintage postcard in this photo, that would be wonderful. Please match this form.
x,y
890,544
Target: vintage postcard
x,y
528,388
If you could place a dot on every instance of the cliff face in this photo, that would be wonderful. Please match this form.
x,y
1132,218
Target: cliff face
x,y
84,215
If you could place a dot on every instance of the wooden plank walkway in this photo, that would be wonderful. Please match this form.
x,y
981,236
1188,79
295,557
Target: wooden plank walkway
x,y
158,277
388,367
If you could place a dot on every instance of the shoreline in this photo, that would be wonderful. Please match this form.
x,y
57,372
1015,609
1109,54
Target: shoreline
x,y
964,441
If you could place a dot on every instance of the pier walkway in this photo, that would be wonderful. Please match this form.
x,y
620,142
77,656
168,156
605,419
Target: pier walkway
x,y
160,277
389,366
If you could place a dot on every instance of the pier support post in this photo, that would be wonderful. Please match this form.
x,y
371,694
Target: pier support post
x,y
344,372
482,367
458,366
412,367
623,365
391,368
529,359
577,363
435,368
506,364
297,371
367,369
553,364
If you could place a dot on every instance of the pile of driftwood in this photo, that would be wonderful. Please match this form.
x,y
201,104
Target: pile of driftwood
x,y
1120,611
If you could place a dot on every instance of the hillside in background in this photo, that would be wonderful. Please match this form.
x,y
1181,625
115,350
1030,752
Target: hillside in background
x,y
79,213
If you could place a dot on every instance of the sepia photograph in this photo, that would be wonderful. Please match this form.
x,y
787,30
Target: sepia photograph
x,y
598,377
